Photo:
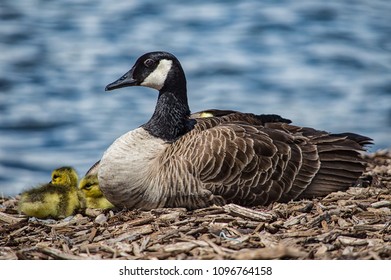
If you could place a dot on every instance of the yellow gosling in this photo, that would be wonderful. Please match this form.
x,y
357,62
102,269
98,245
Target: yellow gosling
x,y
94,196
57,199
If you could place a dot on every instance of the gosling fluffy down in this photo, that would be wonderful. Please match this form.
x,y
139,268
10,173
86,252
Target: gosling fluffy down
x,y
57,199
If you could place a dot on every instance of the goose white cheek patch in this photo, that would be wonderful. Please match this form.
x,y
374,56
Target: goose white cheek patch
x,y
157,78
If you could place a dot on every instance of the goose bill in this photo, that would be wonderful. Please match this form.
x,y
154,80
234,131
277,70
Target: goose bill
x,y
125,81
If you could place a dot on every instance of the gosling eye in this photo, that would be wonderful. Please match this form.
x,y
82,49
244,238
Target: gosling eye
x,y
88,187
149,62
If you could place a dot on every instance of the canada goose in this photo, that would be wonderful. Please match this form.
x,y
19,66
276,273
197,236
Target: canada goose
x,y
57,199
175,161
93,195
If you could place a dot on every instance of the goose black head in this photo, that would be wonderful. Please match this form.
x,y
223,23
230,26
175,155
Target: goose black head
x,y
154,70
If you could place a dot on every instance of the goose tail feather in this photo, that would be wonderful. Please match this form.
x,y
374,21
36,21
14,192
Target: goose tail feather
x,y
341,163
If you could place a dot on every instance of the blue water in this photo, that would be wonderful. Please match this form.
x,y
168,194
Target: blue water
x,y
326,65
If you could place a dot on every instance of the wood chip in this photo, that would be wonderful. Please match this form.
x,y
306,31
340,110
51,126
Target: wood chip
x,y
349,241
180,247
9,219
57,254
248,213
383,203
101,219
269,253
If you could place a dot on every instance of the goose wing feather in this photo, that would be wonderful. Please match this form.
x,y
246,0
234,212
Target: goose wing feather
x,y
243,163
228,161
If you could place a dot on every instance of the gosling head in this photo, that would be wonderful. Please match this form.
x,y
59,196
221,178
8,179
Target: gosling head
x,y
157,70
90,186
66,176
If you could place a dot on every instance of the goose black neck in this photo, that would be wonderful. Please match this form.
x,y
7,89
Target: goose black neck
x,y
171,117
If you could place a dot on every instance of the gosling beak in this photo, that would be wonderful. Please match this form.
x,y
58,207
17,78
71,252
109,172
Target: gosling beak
x,y
125,81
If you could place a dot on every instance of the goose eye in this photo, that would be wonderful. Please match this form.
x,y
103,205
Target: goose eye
x,y
149,62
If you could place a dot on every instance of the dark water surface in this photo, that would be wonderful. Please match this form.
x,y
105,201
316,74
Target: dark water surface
x,y
321,64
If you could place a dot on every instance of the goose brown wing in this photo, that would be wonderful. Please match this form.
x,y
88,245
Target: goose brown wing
x,y
340,160
341,163
247,164
256,165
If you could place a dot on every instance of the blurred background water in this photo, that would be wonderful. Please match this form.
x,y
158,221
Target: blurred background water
x,y
321,64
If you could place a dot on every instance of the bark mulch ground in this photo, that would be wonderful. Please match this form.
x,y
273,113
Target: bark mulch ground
x,y
355,224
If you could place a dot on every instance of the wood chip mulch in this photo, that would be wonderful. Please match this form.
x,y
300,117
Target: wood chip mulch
x,y
355,224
